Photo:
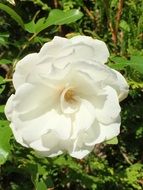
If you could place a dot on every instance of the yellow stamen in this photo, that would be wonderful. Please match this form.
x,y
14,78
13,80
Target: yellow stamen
x,y
69,95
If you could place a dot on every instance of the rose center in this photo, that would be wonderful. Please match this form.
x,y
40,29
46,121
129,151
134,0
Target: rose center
x,y
69,95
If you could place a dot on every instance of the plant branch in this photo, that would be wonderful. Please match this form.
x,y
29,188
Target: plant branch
x,y
119,14
125,157
56,4
88,13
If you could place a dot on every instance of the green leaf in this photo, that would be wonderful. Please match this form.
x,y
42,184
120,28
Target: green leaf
x,y
58,17
124,25
112,141
3,41
69,162
41,25
13,14
1,86
30,27
133,173
1,80
5,35
118,63
5,61
41,185
136,63
2,108
5,134
41,39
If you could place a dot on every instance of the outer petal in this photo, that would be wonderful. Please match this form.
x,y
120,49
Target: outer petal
x,y
52,153
32,130
80,149
48,144
96,72
82,48
107,106
17,135
31,101
81,152
121,85
9,107
24,68
105,132
54,47
87,48
34,64
110,131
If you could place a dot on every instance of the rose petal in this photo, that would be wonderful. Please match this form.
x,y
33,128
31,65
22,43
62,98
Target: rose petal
x,y
43,150
53,48
52,153
80,150
121,85
107,106
87,48
9,107
83,119
32,130
24,68
105,132
96,72
34,100
46,143
18,136
82,48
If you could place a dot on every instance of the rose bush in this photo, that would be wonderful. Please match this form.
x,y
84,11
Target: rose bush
x,y
66,99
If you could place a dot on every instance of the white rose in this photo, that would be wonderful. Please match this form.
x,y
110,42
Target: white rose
x,y
66,99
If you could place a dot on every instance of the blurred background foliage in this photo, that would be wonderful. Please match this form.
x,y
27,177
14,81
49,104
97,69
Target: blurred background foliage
x,y
24,26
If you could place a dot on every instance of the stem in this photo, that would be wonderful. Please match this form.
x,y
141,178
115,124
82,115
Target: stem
x,y
118,14
88,12
7,80
125,157
56,3
114,30
110,25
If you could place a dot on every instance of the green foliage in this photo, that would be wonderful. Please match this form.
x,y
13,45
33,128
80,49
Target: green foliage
x,y
5,61
116,164
13,14
56,17
135,62
5,134
112,141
